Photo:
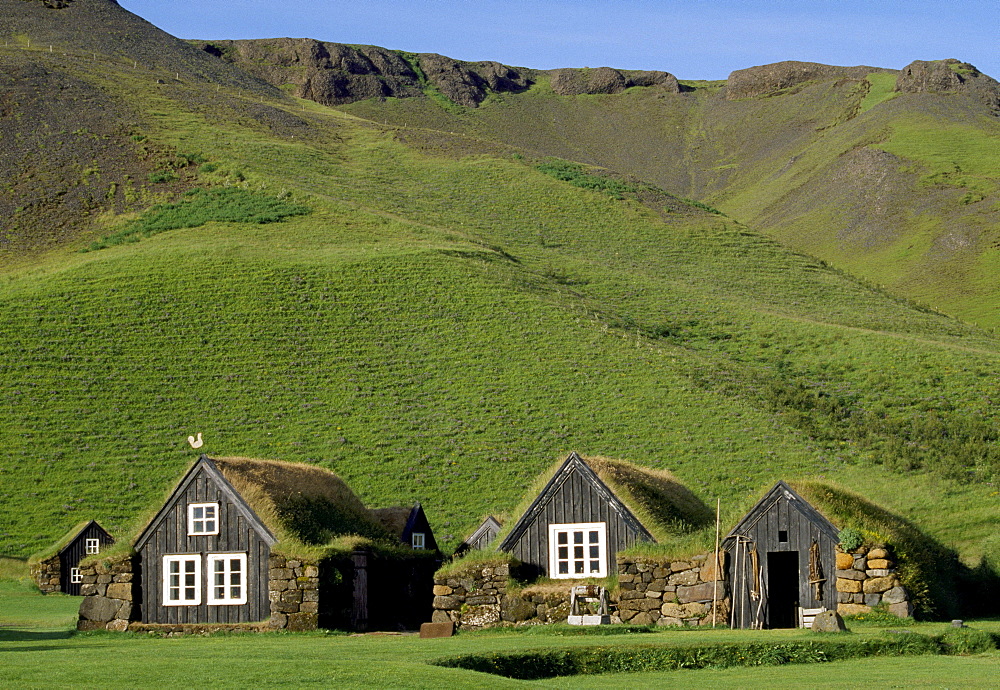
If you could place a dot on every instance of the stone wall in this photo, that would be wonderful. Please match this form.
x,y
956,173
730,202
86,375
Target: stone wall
x,y
867,578
664,593
671,592
46,574
294,593
471,598
108,592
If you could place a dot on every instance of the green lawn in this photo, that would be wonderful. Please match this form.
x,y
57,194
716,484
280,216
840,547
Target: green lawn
x,y
40,650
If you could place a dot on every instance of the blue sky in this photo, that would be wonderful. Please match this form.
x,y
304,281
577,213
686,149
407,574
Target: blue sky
x,y
694,39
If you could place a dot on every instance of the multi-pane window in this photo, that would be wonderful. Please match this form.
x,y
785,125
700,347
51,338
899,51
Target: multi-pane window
x,y
228,578
417,540
182,580
74,576
93,546
203,518
577,550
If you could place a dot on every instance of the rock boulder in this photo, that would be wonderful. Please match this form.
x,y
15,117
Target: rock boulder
x,y
828,621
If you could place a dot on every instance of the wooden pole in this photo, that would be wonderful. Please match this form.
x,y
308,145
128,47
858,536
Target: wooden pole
x,y
715,568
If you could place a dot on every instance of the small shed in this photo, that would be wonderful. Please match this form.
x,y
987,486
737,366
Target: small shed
x,y
591,508
56,569
781,562
481,537
409,525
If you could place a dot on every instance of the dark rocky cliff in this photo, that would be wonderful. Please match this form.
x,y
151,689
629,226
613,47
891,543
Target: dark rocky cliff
x,y
942,76
335,73
770,79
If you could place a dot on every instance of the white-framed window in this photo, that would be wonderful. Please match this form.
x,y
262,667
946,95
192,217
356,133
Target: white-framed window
x,y
418,540
74,576
227,573
203,518
93,546
182,580
578,550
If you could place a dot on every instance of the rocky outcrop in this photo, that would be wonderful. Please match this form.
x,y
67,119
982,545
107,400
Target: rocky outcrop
x,y
328,73
576,82
942,76
468,83
334,73
766,80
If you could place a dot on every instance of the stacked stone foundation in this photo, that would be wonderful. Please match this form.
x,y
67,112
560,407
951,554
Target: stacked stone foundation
x,y
649,592
47,574
108,590
294,594
867,578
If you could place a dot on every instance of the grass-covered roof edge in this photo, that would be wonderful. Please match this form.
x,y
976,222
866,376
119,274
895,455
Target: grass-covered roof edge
x,y
57,546
656,498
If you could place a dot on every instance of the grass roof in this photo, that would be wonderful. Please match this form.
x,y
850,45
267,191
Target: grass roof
x,y
56,547
657,498
392,519
300,503
309,509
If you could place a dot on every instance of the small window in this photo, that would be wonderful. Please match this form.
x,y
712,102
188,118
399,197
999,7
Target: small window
x,y
203,518
228,583
74,576
578,550
417,540
182,580
93,546
783,536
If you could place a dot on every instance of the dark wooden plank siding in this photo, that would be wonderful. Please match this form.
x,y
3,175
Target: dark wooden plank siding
x,y
236,535
574,500
74,552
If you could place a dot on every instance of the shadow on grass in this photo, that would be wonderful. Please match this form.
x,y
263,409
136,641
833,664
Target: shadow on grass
x,y
21,635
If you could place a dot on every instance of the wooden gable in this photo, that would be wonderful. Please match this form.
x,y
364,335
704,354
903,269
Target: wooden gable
x,y
782,556
239,531
417,522
574,495
75,551
481,537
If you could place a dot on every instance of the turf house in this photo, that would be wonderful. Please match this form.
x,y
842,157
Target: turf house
x,y
261,544
592,508
57,569
786,561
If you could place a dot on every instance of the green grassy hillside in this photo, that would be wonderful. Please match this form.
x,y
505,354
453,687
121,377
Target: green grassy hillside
x,y
901,189
440,320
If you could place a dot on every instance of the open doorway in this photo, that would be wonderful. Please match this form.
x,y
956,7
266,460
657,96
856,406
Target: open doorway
x,y
782,589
